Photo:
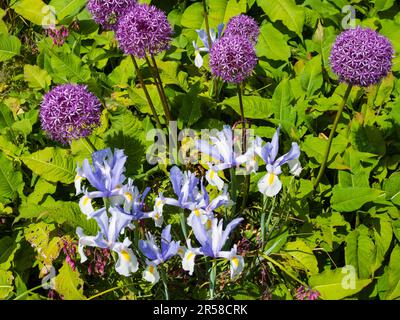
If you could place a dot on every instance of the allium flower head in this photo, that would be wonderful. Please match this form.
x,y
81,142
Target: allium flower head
x,y
361,57
243,25
233,58
144,29
107,12
69,112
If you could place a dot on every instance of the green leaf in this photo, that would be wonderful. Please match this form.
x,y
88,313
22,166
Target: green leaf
x,y
311,76
10,46
69,284
303,253
392,188
36,77
52,164
11,182
389,282
65,8
315,147
347,199
6,116
60,212
291,15
8,247
6,281
272,43
68,68
337,284
255,107
360,251
284,112
126,132
32,10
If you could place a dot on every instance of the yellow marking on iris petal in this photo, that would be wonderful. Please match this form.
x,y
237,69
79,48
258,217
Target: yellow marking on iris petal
x,y
128,196
125,255
156,216
190,255
235,262
158,203
271,179
208,224
197,212
151,269
212,174
77,177
86,200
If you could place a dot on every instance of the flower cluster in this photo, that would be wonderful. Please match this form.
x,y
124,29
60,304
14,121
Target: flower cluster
x,y
58,35
305,293
69,112
123,205
107,12
221,148
144,29
361,57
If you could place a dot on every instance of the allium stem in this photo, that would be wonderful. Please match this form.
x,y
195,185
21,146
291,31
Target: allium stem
x,y
207,24
161,91
150,102
243,120
332,133
213,279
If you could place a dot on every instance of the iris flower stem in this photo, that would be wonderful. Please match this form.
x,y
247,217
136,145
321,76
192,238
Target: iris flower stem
x,y
183,224
94,149
213,279
271,211
330,139
262,222
160,86
233,188
150,102
207,23
165,282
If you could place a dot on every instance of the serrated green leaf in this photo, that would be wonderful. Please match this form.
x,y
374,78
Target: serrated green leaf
x,y
36,77
52,164
272,44
254,107
69,284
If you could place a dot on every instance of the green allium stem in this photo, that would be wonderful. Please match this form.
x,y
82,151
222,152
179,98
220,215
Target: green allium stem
x,y
332,133
150,102
207,23
160,88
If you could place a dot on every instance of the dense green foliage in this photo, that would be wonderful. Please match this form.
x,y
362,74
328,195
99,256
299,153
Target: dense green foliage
x,y
353,217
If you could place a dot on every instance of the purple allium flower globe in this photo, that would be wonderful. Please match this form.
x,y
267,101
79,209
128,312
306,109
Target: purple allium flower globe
x,y
69,112
361,57
243,25
144,29
107,12
233,58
